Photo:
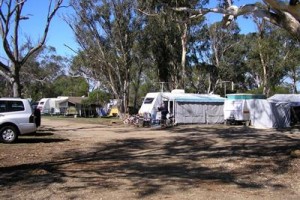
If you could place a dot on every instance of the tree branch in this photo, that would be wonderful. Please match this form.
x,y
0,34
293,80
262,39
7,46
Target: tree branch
x,y
18,10
50,16
4,67
148,14
279,13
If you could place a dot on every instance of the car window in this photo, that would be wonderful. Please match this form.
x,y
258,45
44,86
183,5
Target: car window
x,y
15,106
11,106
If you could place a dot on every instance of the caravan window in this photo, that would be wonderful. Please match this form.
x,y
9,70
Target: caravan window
x,y
148,100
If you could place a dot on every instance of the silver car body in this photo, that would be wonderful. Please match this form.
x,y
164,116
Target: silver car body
x,y
22,119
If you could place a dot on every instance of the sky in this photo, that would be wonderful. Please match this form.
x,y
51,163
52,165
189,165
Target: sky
x,y
60,35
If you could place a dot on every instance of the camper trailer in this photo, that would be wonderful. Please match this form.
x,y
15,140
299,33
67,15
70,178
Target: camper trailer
x,y
185,108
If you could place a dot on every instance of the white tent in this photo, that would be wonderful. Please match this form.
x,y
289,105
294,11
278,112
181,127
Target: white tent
x,y
293,99
268,114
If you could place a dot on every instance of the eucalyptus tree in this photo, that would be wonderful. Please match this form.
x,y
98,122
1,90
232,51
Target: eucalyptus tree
x,y
293,64
284,14
291,59
217,57
269,56
142,71
106,32
165,49
11,17
171,37
225,55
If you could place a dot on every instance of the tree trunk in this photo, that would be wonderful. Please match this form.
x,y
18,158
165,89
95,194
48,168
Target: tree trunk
x,y
209,83
183,56
266,87
294,81
136,88
17,88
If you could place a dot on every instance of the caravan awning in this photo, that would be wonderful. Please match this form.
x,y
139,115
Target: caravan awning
x,y
201,98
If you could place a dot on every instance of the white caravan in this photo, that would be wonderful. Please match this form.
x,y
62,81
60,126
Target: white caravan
x,y
150,105
50,105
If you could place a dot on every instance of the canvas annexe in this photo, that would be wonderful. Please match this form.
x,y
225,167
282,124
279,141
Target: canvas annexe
x,y
186,108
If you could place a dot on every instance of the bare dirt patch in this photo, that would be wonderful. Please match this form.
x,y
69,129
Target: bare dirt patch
x,y
70,160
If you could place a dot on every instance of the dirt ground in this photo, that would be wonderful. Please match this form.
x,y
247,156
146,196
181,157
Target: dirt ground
x,y
68,160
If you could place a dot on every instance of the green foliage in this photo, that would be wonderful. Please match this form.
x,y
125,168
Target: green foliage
x,y
97,97
280,89
39,72
216,55
70,86
268,56
164,47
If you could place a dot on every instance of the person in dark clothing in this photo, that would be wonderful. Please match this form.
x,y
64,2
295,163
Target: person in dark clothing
x,y
164,111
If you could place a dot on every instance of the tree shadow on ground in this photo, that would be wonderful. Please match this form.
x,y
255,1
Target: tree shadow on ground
x,y
187,158
46,135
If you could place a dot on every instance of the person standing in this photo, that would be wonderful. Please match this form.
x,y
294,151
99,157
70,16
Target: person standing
x,y
164,111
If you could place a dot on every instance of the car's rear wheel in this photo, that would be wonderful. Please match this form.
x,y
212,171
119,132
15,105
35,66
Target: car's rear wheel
x,y
9,134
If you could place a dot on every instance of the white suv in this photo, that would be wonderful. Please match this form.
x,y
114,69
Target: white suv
x,y
17,117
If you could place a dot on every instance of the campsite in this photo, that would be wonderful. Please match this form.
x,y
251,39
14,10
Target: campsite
x,y
150,99
72,158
